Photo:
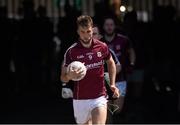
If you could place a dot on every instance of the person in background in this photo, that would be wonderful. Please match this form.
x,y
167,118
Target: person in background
x,y
125,53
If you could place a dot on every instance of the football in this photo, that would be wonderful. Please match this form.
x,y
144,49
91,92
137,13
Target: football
x,y
75,65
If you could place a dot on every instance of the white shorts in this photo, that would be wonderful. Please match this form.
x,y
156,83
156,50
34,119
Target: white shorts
x,y
122,86
83,108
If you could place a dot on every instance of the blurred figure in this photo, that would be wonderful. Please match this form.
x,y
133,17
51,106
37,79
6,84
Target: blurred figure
x,y
123,49
96,32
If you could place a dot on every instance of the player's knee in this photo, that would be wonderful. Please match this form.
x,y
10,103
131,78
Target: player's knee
x,y
99,115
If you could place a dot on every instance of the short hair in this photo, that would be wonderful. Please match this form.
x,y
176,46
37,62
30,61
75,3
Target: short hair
x,y
84,21
110,17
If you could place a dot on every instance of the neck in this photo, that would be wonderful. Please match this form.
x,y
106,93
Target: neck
x,y
109,38
86,45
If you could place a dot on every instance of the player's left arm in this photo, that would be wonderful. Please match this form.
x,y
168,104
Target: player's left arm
x,y
112,75
112,70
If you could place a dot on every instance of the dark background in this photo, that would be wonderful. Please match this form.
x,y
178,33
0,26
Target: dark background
x,y
30,88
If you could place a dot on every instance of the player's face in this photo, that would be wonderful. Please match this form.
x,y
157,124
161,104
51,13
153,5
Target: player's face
x,y
85,34
96,33
109,26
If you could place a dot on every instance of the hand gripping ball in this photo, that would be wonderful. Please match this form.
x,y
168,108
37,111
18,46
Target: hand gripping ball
x,y
75,65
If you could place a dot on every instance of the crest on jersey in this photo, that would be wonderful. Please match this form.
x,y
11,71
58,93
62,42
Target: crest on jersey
x,y
99,54
90,57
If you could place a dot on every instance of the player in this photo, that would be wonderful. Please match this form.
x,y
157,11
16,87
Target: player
x,y
124,52
89,101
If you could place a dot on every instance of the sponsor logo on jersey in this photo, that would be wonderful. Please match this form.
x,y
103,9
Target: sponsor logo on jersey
x,y
94,65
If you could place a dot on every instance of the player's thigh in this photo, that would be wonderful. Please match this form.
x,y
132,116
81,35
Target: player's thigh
x,y
82,112
99,115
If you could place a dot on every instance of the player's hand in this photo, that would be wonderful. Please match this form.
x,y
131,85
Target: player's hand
x,y
74,73
116,91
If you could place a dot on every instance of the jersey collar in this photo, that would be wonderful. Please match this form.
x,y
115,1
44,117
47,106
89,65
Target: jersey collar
x,y
80,44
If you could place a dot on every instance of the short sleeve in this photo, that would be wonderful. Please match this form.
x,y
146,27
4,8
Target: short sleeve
x,y
114,56
67,58
107,53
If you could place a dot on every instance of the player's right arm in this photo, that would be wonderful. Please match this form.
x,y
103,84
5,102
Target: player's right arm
x,y
64,75
67,75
